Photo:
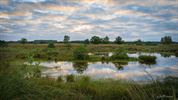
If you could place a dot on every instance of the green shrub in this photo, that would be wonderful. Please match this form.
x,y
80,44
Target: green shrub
x,y
3,43
80,53
70,78
51,45
147,59
118,56
86,78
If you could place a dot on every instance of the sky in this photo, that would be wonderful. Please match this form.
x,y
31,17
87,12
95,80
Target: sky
x,y
148,20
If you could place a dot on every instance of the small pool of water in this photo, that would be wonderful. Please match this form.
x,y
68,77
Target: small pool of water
x,y
165,66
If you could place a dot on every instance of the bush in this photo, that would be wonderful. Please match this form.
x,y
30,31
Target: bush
x,y
80,53
147,59
51,45
3,43
116,56
70,78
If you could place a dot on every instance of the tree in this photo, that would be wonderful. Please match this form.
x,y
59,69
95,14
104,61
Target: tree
x,y
95,40
3,43
23,40
166,40
118,40
87,41
138,42
106,40
66,39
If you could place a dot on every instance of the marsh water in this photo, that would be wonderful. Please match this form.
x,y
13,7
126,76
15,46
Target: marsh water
x,y
166,65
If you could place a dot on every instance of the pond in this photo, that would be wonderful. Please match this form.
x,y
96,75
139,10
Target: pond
x,y
164,66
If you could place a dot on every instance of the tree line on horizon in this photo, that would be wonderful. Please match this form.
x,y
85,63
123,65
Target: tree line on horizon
x,y
92,40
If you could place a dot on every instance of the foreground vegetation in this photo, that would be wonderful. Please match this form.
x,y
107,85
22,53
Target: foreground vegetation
x,y
19,81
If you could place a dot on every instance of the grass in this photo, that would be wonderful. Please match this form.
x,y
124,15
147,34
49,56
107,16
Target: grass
x,y
19,81
13,86
63,53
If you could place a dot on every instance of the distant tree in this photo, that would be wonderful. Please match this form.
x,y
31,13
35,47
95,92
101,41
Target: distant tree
x,y
118,40
166,40
23,40
66,39
3,43
51,45
105,40
95,40
87,41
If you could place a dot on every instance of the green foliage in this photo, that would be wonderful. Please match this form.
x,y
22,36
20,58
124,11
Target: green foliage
x,y
147,59
95,40
166,40
87,41
30,58
3,43
119,56
138,42
66,39
23,82
118,40
60,79
105,40
80,53
70,78
13,86
51,45
23,40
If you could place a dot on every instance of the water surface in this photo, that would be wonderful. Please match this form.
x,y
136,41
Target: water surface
x,y
165,66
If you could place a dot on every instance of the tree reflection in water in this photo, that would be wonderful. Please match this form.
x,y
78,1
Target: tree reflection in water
x,y
119,65
147,63
80,66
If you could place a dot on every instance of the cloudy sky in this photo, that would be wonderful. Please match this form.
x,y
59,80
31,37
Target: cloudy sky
x,y
148,20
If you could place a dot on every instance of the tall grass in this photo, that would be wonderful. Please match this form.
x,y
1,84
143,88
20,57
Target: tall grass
x,y
13,85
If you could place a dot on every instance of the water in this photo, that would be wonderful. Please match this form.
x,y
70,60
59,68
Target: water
x,y
165,66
